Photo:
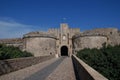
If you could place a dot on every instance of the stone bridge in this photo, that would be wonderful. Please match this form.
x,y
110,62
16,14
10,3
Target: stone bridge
x,y
62,68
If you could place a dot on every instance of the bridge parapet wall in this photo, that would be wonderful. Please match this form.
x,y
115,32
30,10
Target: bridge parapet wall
x,y
85,72
10,65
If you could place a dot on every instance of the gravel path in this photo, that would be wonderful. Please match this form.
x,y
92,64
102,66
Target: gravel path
x,y
64,71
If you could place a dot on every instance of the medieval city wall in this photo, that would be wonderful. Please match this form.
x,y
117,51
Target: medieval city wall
x,y
50,43
40,44
89,42
17,42
95,38
112,34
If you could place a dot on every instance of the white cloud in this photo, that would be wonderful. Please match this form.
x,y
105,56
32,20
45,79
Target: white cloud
x,y
12,29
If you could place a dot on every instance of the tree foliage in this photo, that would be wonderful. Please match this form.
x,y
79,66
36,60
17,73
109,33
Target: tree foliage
x,y
9,52
105,60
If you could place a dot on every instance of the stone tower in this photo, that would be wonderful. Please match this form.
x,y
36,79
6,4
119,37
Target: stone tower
x,y
64,42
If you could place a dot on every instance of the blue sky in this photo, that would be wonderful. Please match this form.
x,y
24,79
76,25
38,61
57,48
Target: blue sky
x,y
18,17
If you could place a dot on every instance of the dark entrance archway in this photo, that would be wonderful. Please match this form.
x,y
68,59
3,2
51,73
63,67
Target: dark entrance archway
x,y
64,51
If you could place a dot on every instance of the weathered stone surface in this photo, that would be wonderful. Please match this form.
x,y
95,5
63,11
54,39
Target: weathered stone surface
x,y
10,65
41,46
28,71
89,42
39,34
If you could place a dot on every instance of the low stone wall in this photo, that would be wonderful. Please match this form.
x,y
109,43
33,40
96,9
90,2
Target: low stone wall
x,y
10,65
85,72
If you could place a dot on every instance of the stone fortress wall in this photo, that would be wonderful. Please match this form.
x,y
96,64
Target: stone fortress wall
x,y
51,42
112,34
17,42
89,42
95,38
40,43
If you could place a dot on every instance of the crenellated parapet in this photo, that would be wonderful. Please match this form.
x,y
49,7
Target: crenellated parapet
x,y
88,35
39,34
97,32
11,41
96,38
17,42
104,31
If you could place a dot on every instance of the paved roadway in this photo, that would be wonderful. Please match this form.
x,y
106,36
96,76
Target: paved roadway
x,y
64,71
54,69
61,69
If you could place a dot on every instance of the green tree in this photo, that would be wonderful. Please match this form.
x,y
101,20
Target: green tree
x,y
105,60
9,52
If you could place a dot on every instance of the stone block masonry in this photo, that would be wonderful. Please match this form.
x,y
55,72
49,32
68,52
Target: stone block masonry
x,y
10,65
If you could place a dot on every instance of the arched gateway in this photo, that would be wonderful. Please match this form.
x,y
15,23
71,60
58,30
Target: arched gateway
x,y
64,51
56,42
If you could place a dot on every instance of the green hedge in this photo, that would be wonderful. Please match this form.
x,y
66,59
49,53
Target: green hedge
x,y
105,60
9,52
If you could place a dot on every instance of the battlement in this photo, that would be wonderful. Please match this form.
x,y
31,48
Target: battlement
x,y
104,31
97,32
88,35
54,31
39,34
11,41
74,30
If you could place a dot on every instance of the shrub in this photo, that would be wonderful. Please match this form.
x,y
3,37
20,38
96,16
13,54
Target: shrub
x,y
9,52
105,60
